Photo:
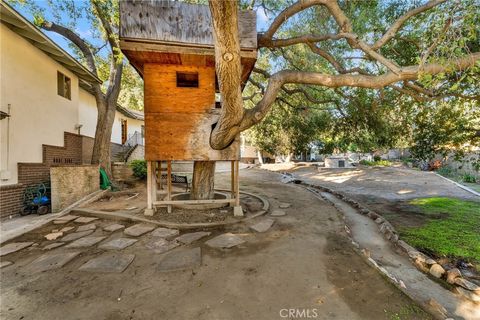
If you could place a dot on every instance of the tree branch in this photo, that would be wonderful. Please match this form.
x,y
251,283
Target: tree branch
x,y
397,25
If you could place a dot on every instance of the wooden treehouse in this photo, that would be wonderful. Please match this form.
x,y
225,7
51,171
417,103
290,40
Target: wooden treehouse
x,y
171,46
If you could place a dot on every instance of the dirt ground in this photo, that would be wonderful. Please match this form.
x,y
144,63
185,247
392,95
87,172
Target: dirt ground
x,y
304,262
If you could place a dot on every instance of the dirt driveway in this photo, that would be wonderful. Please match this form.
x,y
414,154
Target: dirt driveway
x,y
304,262
371,184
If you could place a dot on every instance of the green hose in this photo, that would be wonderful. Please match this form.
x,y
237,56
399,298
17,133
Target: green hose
x,y
104,181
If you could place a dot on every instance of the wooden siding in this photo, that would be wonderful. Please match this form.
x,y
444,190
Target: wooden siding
x,y
178,22
178,121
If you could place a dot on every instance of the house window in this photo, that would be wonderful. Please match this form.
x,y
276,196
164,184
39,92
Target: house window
x,y
187,79
64,86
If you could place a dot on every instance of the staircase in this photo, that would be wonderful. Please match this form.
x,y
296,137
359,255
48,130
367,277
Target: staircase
x,y
128,147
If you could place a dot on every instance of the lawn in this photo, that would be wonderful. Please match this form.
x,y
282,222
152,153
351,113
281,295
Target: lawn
x,y
453,230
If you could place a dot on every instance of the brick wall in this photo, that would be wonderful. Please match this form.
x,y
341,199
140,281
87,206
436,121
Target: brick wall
x,y
121,171
11,198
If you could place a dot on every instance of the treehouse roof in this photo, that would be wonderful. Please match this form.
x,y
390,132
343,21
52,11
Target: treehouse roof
x,y
173,32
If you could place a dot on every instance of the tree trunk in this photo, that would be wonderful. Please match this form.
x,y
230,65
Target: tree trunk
x,y
203,180
259,155
101,147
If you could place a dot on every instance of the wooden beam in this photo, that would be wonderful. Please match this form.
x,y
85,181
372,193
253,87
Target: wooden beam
x,y
237,183
169,184
149,210
180,202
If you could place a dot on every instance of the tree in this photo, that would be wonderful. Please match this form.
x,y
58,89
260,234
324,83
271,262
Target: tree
x,y
104,59
442,45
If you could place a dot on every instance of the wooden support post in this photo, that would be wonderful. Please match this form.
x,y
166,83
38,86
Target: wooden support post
x,y
169,185
237,209
149,209
154,184
160,183
232,180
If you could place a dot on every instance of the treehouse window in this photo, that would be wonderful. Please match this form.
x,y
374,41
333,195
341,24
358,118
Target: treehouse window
x,y
187,79
63,85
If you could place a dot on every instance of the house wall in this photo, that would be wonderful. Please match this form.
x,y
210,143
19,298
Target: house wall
x,y
132,126
39,115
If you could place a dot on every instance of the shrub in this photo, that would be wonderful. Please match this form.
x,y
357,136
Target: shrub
x,y
468,178
385,163
376,158
446,171
139,168
366,162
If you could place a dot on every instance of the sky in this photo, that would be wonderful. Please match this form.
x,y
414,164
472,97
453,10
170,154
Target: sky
x,y
84,29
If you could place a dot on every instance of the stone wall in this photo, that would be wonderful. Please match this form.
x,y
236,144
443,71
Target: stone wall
x,y
71,183
121,171
138,153
464,165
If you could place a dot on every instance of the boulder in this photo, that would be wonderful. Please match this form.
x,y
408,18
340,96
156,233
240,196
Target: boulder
x,y
437,270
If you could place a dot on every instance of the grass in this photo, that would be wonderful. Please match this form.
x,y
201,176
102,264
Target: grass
x,y
453,228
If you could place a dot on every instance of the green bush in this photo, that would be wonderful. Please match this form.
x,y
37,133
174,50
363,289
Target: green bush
x,y
446,171
376,158
366,162
139,168
385,163
468,178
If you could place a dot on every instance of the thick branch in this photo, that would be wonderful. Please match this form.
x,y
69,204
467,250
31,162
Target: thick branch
x,y
253,116
397,25
79,42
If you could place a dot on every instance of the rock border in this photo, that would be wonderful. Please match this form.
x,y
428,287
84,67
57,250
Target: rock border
x,y
424,263
122,215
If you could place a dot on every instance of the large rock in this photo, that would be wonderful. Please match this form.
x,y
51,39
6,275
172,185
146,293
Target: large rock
x,y
226,240
437,271
13,247
452,274
467,285
53,236
470,295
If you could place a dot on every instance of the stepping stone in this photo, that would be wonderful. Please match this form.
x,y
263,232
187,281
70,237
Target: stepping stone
x,y
117,244
109,262
284,205
90,226
4,264
65,219
188,238
180,260
114,227
138,229
85,219
50,261
263,225
13,247
53,245
161,245
85,242
76,235
278,213
53,235
165,233
226,240
66,229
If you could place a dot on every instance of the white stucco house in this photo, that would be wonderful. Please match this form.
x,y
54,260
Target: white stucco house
x,y
48,116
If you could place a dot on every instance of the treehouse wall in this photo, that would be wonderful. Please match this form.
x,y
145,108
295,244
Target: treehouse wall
x,y
178,120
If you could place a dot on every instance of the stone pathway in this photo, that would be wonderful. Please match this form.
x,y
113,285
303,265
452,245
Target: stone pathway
x,y
263,225
188,238
50,261
278,213
5,263
226,240
181,260
65,219
138,229
108,263
165,233
76,235
86,227
161,245
114,227
85,219
85,242
53,245
13,247
117,244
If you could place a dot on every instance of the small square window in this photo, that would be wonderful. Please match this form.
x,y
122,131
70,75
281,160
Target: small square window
x,y
187,79
64,85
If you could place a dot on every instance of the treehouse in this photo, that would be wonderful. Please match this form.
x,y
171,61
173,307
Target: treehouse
x,y
171,46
